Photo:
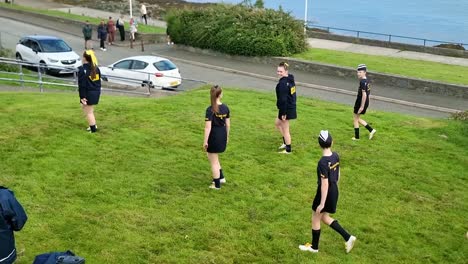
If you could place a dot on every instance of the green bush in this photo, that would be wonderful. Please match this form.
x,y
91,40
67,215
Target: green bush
x,y
237,30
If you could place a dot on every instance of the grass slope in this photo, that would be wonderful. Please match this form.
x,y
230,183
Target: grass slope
x,y
406,67
142,28
137,191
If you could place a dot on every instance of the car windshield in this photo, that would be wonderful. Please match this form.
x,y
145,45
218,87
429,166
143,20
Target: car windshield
x,y
164,65
54,45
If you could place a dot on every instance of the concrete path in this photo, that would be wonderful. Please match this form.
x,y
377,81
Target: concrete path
x,y
380,51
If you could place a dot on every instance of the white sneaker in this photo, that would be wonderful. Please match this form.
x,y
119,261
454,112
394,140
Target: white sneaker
x,y
308,247
371,135
213,186
350,243
282,146
354,139
104,49
284,152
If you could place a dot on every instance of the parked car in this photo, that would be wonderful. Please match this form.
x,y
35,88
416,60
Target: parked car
x,y
156,72
49,52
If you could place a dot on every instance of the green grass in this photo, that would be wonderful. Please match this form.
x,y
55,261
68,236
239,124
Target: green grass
x,y
406,67
137,191
56,13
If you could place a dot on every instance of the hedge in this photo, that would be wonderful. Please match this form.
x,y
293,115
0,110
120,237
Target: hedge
x,y
237,30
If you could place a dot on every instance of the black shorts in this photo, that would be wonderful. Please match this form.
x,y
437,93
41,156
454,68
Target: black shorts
x,y
290,114
92,97
217,140
330,203
357,105
86,39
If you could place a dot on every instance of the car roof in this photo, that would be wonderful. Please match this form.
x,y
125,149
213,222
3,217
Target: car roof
x,y
148,58
41,37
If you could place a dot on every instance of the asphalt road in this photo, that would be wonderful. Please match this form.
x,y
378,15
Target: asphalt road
x,y
12,30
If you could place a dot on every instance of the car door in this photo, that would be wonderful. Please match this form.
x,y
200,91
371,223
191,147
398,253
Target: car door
x,y
25,50
119,72
139,73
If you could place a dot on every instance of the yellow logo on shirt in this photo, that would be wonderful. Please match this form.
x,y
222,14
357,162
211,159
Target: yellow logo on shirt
x,y
96,78
293,90
221,116
333,167
368,87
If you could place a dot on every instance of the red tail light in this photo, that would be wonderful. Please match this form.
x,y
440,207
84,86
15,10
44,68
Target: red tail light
x,y
158,74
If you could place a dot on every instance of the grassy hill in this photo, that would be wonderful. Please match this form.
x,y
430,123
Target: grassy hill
x,y
137,191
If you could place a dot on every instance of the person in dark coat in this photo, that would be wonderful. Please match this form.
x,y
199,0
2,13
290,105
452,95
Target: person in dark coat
x,y
286,104
121,27
102,34
89,87
87,34
12,218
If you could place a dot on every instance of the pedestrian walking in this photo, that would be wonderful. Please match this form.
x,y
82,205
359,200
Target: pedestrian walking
x,y
143,13
326,196
102,35
362,103
87,34
89,87
217,125
121,27
133,29
286,104
111,28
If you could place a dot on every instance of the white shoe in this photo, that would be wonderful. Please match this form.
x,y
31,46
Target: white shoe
x,y
282,146
371,135
308,247
284,152
354,139
350,243
213,186
104,49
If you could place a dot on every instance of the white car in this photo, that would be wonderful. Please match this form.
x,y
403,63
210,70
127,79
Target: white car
x,y
154,71
52,53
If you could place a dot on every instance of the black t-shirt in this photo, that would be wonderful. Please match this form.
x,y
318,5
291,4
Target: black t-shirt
x,y
217,119
328,168
363,87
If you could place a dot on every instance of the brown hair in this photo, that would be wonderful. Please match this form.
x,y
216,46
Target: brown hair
x,y
92,66
215,92
285,65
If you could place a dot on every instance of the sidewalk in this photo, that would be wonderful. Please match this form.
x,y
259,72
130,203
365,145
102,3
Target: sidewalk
x,y
379,51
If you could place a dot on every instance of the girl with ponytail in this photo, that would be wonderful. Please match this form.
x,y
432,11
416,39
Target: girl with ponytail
x,y
217,124
89,87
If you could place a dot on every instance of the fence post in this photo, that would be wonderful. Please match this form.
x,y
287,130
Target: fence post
x,y
149,86
39,74
1,47
389,38
358,34
424,42
142,46
75,79
21,75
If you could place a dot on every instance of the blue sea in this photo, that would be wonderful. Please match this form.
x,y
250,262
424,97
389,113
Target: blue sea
x,y
444,20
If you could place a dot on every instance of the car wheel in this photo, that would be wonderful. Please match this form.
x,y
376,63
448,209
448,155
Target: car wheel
x,y
18,56
104,79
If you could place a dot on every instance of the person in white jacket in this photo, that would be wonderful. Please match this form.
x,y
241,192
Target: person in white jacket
x,y
143,13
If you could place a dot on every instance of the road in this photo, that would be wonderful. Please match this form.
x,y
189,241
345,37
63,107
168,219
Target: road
x,y
12,30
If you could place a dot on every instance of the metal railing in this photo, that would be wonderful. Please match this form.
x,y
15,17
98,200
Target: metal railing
x,y
384,37
20,75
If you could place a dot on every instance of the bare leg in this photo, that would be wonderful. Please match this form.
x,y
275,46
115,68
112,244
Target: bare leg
x,y
356,120
286,134
215,166
88,110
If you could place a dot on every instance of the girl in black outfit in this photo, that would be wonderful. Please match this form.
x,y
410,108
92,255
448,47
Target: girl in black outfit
x,y
326,198
286,104
217,125
89,87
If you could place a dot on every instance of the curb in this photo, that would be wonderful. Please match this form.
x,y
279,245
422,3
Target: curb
x,y
314,86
